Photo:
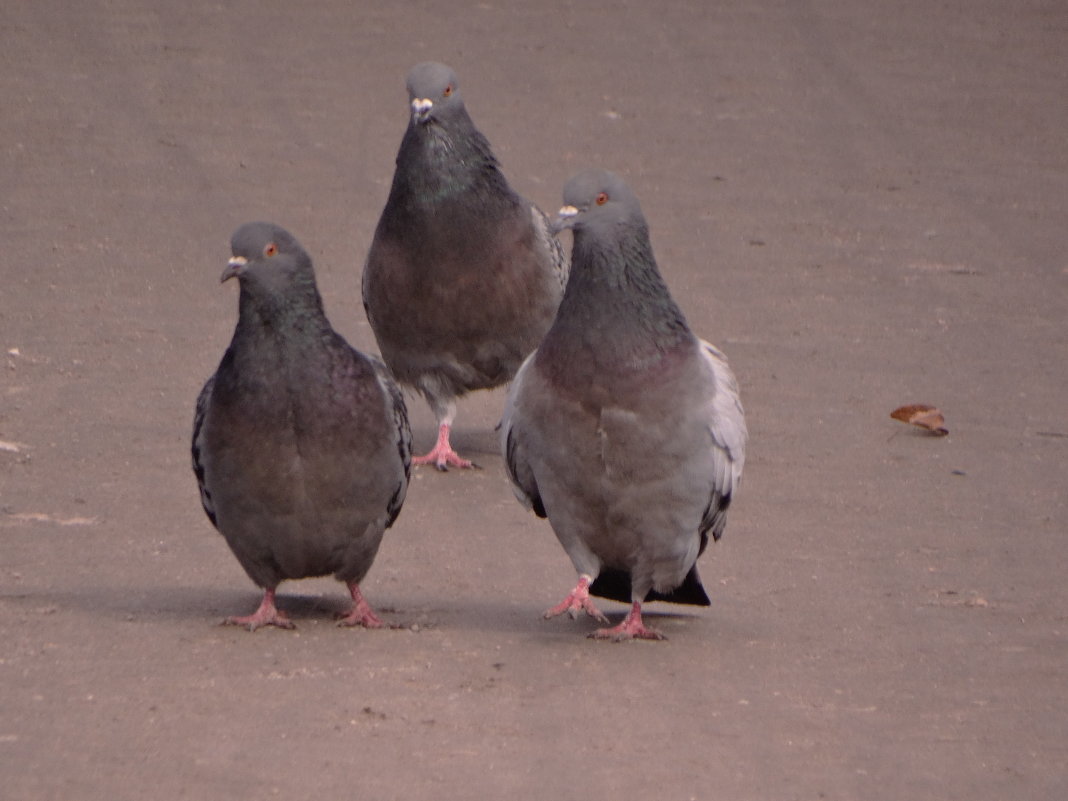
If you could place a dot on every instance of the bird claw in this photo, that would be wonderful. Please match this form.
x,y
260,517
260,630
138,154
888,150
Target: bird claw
x,y
443,459
578,600
367,619
267,614
251,624
362,614
618,634
442,456
631,628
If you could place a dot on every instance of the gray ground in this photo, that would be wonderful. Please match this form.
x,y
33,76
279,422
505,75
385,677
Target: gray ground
x,y
865,206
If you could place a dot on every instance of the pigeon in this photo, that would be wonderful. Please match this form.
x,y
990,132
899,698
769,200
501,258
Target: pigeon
x,y
301,444
463,276
623,428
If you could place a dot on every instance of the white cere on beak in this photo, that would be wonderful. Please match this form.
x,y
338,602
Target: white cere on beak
x,y
421,107
238,261
566,212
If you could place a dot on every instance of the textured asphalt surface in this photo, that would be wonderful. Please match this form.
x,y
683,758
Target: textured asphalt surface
x,y
863,207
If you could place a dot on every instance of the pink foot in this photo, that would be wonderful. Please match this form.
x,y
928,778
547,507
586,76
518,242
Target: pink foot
x,y
578,600
361,614
266,615
442,456
630,629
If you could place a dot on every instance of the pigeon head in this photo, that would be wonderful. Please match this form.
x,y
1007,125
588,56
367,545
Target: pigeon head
x,y
262,251
434,92
272,267
597,198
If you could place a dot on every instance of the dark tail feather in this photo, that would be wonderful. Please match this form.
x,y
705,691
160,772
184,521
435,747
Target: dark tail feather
x,y
615,585
691,591
612,584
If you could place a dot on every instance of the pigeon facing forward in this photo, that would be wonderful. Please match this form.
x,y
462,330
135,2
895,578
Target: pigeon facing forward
x,y
623,428
463,277
301,444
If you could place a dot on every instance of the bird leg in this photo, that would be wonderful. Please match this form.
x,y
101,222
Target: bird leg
x,y
578,600
266,615
361,614
630,629
442,456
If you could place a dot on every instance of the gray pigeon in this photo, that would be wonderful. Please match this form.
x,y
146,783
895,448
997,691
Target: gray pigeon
x,y
463,276
623,428
301,443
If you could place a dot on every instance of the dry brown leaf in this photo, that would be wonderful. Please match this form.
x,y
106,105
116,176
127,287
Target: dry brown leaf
x,y
923,416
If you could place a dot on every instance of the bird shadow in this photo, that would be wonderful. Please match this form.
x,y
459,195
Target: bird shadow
x,y
185,603
488,617
211,605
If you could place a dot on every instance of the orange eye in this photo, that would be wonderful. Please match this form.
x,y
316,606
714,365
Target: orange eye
x,y
448,90
602,198
271,249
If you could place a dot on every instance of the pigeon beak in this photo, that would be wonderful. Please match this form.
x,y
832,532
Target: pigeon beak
x,y
565,218
235,267
421,107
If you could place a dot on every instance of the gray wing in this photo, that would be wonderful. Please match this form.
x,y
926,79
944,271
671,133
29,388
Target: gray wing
x,y
203,399
726,423
524,485
395,400
543,228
